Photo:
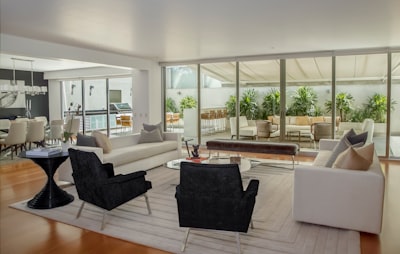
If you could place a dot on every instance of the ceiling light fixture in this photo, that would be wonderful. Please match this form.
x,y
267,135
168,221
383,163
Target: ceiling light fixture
x,y
15,88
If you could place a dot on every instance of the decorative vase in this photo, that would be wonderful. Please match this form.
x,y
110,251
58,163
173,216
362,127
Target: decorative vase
x,y
65,146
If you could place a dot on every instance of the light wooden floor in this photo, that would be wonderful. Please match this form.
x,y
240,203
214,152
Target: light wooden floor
x,y
25,233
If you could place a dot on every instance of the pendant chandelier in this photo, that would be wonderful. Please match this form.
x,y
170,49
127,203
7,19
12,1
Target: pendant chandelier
x,y
14,88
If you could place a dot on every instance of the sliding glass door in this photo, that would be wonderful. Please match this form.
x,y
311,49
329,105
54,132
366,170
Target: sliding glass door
x,y
361,85
308,100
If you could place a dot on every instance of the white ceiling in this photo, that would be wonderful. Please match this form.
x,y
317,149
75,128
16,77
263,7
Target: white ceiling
x,y
178,30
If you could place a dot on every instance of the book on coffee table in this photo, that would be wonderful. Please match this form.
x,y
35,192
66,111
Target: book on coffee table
x,y
44,151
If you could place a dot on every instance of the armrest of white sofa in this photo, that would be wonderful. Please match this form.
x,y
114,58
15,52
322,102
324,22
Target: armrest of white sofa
x,y
173,136
328,144
340,198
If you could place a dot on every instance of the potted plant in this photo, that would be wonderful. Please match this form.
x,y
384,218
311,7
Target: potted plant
x,y
187,102
376,107
304,102
248,104
271,103
231,106
343,103
170,105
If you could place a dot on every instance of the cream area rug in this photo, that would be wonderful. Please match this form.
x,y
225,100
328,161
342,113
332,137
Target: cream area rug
x,y
274,229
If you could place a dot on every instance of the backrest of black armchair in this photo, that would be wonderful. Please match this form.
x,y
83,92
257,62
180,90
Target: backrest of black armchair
x,y
87,172
216,179
210,196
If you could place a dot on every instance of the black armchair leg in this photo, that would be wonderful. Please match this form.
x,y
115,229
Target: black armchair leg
x,y
185,240
104,218
238,242
80,209
147,203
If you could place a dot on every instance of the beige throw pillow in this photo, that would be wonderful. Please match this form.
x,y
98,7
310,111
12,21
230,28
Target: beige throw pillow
x,y
302,120
102,141
150,136
356,158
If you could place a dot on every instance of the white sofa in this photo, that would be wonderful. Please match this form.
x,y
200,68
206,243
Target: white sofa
x,y
302,123
246,129
341,198
127,155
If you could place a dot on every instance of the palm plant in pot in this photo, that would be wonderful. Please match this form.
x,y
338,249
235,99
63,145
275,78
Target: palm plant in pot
x,y
343,105
231,106
304,102
271,104
248,104
376,107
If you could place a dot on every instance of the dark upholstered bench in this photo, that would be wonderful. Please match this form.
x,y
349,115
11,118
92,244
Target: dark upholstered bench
x,y
252,146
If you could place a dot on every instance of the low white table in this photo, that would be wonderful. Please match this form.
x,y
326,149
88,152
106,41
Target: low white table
x,y
245,164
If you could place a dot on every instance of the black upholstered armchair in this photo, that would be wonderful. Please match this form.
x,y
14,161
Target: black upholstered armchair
x,y
211,196
96,183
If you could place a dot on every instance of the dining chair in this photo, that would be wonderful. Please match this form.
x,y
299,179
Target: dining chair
x,y
35,133
56,130
16,138
4,126
41,118
72,126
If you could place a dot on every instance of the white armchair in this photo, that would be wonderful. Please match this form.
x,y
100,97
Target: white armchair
x,y
245,129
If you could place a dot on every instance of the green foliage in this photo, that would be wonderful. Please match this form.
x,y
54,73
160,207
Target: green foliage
x,y
304,101
357,115
187,102
376,107
170,105
248,104
271,104
344,103
231,106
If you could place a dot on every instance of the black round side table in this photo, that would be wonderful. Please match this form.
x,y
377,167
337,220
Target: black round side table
x,y
51,195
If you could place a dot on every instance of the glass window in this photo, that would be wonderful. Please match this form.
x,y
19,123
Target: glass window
x,y
217,89
181,100
72,100
259,98
308,100
361,84
120,105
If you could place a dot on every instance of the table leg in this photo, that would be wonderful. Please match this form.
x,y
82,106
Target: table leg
x,y
51,195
